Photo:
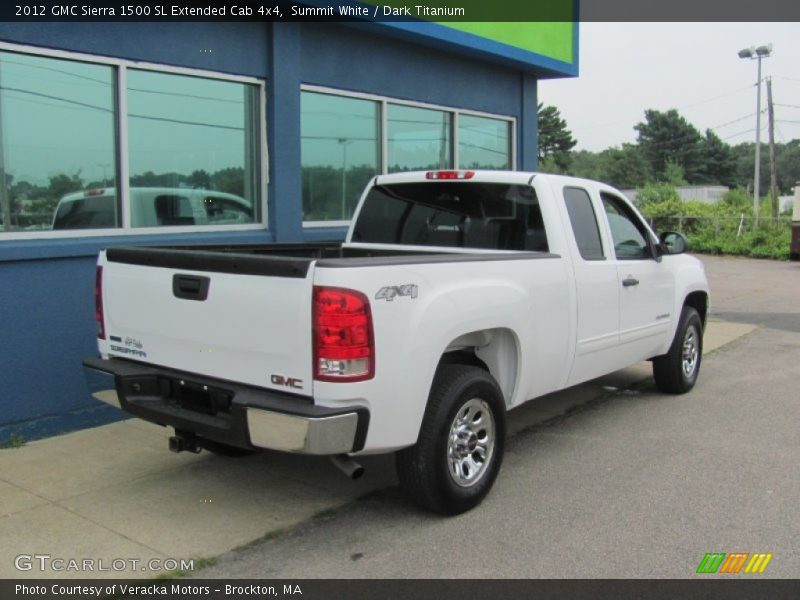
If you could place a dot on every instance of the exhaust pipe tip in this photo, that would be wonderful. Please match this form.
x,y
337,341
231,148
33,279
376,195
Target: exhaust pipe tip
x,y
348,466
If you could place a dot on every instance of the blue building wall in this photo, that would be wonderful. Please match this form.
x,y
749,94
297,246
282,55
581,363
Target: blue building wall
x,y
46,286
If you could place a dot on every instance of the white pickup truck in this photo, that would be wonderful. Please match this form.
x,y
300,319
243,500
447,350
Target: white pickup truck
x,y
456,296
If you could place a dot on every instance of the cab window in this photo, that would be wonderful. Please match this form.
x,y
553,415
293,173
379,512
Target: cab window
x,y
627,231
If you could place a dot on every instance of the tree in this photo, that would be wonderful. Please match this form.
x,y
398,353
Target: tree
x,y
788,164
720,164
63,184
555,140
624,167
199,179
667,136
586,164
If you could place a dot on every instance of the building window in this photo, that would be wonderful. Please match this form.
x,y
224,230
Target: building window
x,y
347,138
193,150
340,148
57,136
95,144
419,138
483,143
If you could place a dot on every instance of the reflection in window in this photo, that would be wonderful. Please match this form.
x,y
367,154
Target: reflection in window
x,y
483,143
419,139
189,136
57,139
340,148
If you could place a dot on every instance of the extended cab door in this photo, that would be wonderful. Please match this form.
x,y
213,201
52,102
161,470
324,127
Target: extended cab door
x,y
597,290
646,284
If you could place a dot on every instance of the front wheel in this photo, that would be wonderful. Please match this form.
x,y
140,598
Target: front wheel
x,y
676,371
456,459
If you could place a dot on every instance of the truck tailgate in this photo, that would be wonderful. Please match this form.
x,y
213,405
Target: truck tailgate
x,y
240,318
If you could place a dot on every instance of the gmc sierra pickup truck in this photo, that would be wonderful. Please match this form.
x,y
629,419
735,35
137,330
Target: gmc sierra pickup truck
x,y
456,296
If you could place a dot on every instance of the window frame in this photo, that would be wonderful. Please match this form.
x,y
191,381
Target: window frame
x,y
120,67
383,118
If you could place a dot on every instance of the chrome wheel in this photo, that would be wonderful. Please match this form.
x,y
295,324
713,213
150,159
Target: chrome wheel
x,y
471,442
690,351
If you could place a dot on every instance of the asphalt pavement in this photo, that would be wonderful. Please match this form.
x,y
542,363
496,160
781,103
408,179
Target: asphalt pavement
x,y
629,483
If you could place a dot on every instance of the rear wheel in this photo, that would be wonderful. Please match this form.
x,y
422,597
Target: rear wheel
x,y
456,459
676,371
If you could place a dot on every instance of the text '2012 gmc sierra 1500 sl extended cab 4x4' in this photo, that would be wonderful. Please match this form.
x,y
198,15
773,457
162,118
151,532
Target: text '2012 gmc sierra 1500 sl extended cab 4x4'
x,y
456,296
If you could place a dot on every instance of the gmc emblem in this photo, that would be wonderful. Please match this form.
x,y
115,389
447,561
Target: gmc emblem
x,y
290,382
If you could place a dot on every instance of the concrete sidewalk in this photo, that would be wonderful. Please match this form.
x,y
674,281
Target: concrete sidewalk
x,y
116,494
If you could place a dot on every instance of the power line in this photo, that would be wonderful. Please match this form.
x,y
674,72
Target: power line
x,y
787,105
725,95
692,105
57,98
738,134
734,121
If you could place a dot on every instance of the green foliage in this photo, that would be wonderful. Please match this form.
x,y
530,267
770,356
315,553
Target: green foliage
x,y
14,441
714,228
549,165
659,200
666,137
738,200
555,139
720,164
674,174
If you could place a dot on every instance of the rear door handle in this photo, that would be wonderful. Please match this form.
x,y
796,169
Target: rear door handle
x,y
629,281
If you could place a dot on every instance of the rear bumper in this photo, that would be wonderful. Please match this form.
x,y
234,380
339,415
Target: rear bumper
x,y
226,412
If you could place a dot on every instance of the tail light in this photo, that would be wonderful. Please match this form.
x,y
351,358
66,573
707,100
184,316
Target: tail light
x,y
98,304
449,174
344,348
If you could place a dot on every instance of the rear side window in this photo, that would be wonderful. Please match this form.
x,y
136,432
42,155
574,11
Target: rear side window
x,y
92,212
453,214
584,223
173,210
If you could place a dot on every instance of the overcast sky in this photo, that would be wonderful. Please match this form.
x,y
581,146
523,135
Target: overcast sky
x,y
626,68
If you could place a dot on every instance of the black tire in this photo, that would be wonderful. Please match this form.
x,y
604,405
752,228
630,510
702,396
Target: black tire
x,y
226,450
676,372
465,400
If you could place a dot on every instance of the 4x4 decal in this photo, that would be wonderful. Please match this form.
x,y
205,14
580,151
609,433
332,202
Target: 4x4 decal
x,y
389,292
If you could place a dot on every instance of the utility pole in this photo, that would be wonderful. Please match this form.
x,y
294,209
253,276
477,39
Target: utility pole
x,y
773,173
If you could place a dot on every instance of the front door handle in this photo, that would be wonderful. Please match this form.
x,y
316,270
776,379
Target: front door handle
x,y
629,281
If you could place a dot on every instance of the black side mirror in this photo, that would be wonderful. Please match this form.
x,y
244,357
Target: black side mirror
x,y
673,242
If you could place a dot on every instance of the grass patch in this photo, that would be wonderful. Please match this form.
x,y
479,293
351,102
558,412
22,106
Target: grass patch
x,y
14,441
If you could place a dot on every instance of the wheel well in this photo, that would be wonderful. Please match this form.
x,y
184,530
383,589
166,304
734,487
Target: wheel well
x,y
463,357
698,301
493,350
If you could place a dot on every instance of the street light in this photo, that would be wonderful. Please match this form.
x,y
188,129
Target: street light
x,y
757,53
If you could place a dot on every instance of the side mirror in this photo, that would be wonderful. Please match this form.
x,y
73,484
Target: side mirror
x,y
673,242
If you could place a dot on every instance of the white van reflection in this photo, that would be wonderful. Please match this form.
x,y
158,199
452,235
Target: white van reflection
x,y
151,207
